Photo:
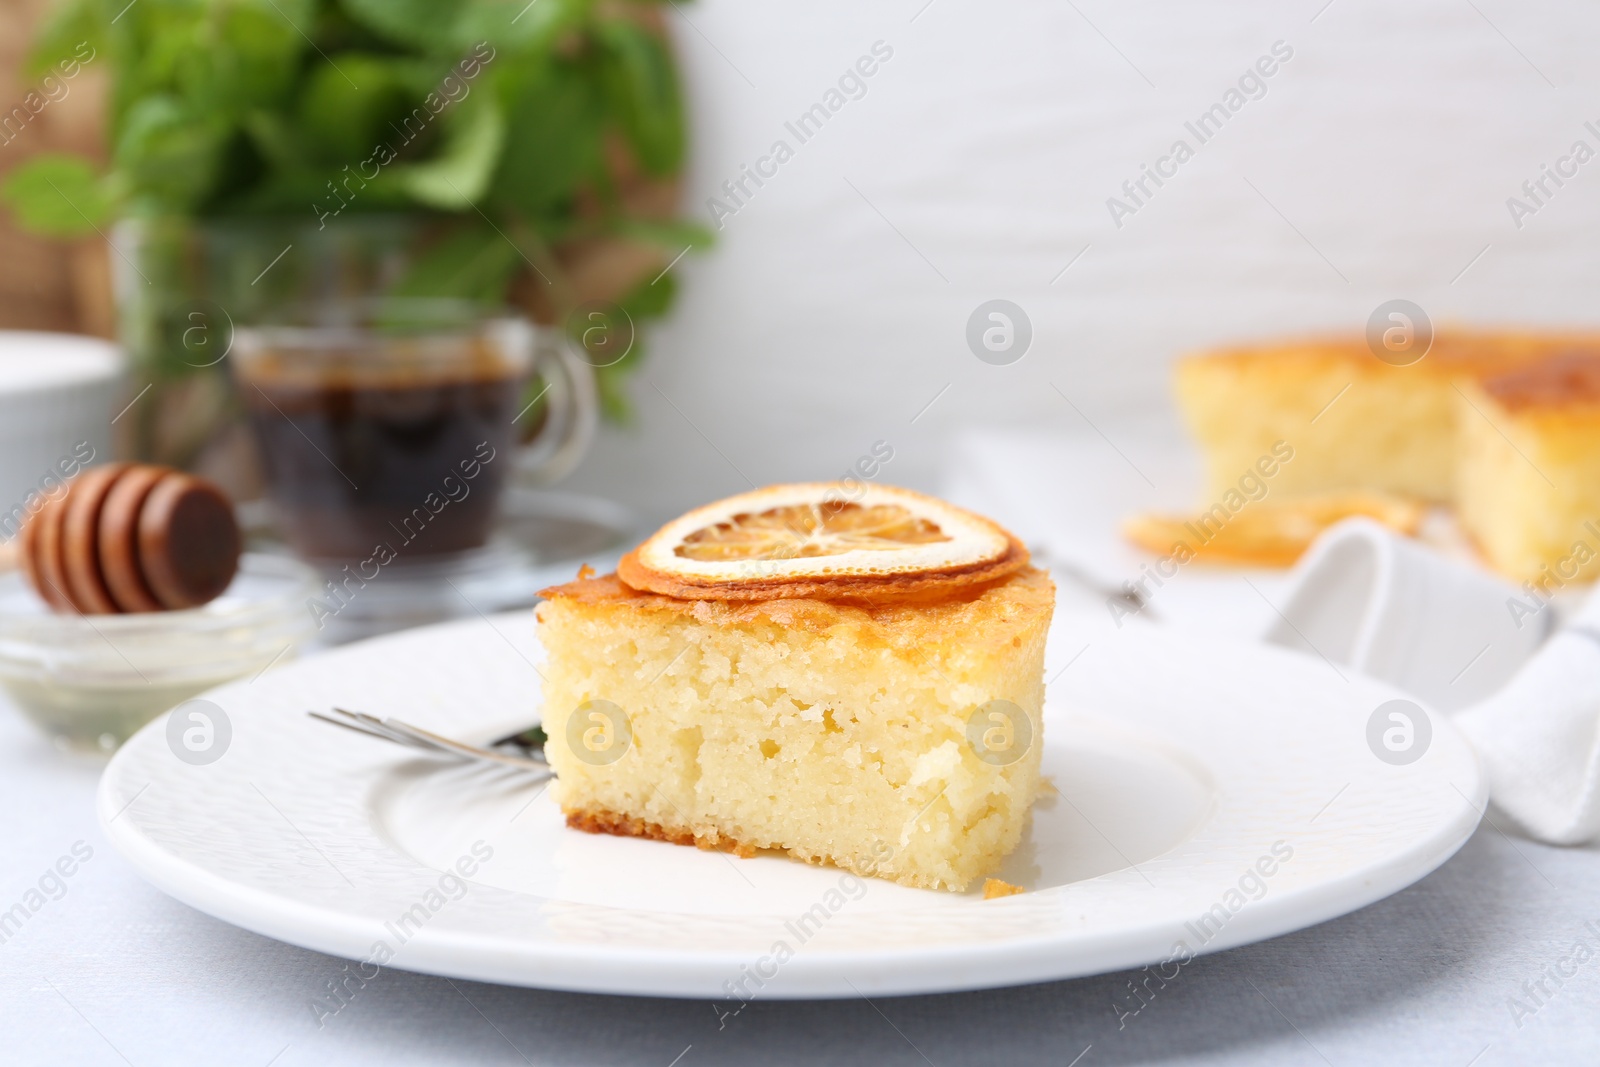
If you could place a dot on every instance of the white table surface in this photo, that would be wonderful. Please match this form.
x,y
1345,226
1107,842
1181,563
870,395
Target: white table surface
x,y
115,972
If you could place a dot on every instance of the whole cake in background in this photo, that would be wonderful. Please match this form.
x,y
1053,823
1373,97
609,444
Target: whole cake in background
x,y
1353,420
1504,427
850,674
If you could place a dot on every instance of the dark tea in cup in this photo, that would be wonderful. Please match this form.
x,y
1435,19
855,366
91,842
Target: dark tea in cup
x,y
386,439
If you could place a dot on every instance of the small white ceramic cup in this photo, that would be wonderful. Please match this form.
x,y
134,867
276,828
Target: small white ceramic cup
x,y
57,393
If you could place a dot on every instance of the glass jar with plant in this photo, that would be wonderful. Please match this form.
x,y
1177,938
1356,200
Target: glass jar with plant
x,y
269,154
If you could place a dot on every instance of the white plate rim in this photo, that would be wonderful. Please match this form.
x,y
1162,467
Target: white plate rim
x,y
631,968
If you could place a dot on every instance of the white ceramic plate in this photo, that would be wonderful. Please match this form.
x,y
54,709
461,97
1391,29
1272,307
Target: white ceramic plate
x,y
1186,772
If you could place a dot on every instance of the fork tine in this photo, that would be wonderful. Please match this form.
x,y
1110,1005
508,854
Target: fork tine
x,y
352,727
370,724
369,729
356,726
361,717
468,751
403,733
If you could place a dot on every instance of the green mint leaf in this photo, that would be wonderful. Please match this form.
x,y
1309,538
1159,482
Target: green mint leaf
x,y
453,181
56,195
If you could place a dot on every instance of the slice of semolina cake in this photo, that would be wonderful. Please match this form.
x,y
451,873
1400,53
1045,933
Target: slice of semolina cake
x,y
1529,482
856,682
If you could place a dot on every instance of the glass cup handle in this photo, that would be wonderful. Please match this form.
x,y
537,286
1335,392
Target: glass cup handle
x,y
573,405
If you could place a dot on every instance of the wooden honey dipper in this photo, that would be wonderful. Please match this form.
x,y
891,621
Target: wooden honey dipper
x,y
130,537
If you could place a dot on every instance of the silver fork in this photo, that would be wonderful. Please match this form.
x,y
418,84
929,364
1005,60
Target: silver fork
x,y
403,733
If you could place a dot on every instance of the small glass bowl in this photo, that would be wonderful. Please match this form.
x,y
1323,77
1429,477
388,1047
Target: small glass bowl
x,y
91,681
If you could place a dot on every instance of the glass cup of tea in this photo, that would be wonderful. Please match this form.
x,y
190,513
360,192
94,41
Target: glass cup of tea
x,y
388,430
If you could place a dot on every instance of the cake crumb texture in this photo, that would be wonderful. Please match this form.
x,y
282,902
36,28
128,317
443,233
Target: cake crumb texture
x,y
837,732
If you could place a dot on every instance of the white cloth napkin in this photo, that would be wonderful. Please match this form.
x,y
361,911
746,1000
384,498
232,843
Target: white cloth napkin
x,y
1539,737
1465,642
1392,608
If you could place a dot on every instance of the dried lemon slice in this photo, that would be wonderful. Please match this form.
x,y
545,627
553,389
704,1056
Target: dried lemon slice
x,y
821,540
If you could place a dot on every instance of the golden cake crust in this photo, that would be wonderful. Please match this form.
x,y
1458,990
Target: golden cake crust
x,y
1563,382
603,821
1472,355
992,613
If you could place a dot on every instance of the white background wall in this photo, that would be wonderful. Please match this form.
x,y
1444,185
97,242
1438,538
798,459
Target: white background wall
x,y
991,141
